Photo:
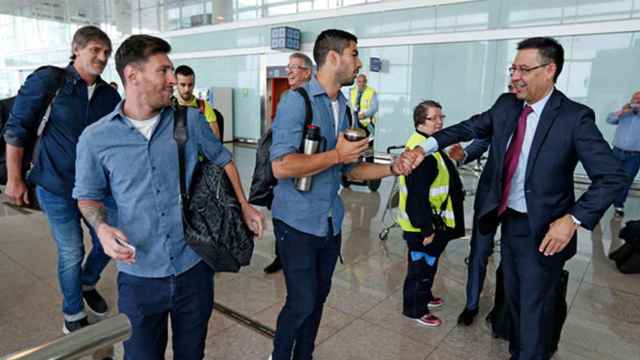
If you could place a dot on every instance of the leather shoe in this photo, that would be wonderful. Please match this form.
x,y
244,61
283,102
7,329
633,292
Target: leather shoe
x,y
467,316
274,267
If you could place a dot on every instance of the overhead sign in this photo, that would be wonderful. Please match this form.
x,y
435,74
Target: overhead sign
x,y
285,37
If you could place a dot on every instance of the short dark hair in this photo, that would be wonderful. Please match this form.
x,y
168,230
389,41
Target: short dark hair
x,y
184,70
420,111
84,35
137,49
332,39
549,49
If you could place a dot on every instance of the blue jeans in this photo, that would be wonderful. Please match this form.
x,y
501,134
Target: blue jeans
x,y
149,302
631,164
65,220
308,263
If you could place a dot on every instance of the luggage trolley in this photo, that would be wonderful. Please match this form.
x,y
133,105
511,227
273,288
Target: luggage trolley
x,y
391,208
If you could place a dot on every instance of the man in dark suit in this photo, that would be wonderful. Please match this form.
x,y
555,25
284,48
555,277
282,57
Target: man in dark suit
x,y
538,135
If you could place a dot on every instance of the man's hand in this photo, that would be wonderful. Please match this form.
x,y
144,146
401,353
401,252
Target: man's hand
x,y
350,151
456,152
253,218
402,165
115,243
361,115
428,240
560,233
415,156
17,192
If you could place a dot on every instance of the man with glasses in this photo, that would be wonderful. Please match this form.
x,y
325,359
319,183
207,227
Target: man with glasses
x,y
299,71
537,136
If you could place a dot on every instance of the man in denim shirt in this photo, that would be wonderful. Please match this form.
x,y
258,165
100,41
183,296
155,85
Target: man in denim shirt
x,y
626,145
131,154
83,99
308,224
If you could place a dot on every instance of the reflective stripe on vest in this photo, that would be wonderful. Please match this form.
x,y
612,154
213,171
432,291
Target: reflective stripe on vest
x,y
365,103
437,193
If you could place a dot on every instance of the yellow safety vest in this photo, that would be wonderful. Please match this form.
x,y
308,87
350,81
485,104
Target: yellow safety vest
x,y
365,103
438,192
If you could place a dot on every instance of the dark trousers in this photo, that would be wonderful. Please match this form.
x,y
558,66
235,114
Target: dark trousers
x,y
530,286
416,292
631,163
308,263
149,302
481,250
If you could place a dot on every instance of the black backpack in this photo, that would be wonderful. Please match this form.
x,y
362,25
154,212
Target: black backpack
x,y
211,214
5,108
263,181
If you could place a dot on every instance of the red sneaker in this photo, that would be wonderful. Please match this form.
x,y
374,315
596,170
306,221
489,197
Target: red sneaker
x,y
436,303
429,320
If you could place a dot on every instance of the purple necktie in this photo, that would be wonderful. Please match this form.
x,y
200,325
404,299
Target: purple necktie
x,y
512,157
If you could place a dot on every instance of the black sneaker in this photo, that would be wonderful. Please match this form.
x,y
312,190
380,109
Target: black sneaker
x,y
618,213
71,326
467,316
95,302
274,267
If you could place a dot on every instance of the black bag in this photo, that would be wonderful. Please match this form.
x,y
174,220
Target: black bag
x,y
263,181
211,214
500,320
627,256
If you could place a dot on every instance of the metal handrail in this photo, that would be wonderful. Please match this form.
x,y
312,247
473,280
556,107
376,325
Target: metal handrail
x,y
79,343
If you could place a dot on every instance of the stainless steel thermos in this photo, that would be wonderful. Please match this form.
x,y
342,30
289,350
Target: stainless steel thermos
x,y
311,144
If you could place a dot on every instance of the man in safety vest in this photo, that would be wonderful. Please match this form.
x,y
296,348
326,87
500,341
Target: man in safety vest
x,y
186,82
364,103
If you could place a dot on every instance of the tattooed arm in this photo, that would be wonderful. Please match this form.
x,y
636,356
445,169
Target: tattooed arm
x,y
113,241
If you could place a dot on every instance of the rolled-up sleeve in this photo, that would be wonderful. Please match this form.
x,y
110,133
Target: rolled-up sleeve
x,y
23,121
91,178
208,144
288,125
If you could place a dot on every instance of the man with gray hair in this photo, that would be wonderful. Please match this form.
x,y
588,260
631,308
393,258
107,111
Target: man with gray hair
x,y
299,71
78,98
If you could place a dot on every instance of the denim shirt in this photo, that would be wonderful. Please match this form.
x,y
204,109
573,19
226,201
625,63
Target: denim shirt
x,y
71,112
628,132
142,176
308,211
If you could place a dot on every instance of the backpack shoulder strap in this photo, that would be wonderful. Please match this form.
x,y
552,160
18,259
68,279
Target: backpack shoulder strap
x,y
60,77
181,135
201,105
307,104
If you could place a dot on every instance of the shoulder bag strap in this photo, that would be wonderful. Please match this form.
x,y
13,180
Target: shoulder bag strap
x,y
180,134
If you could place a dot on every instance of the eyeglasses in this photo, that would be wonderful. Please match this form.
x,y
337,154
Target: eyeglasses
x,y
294,67
524,70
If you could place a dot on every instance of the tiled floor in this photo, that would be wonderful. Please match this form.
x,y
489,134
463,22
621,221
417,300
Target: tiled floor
x,y
362,319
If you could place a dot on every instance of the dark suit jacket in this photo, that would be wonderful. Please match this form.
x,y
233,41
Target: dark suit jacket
x,y
566,134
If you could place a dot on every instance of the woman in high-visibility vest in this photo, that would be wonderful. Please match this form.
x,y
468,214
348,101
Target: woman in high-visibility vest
x,y
430,214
